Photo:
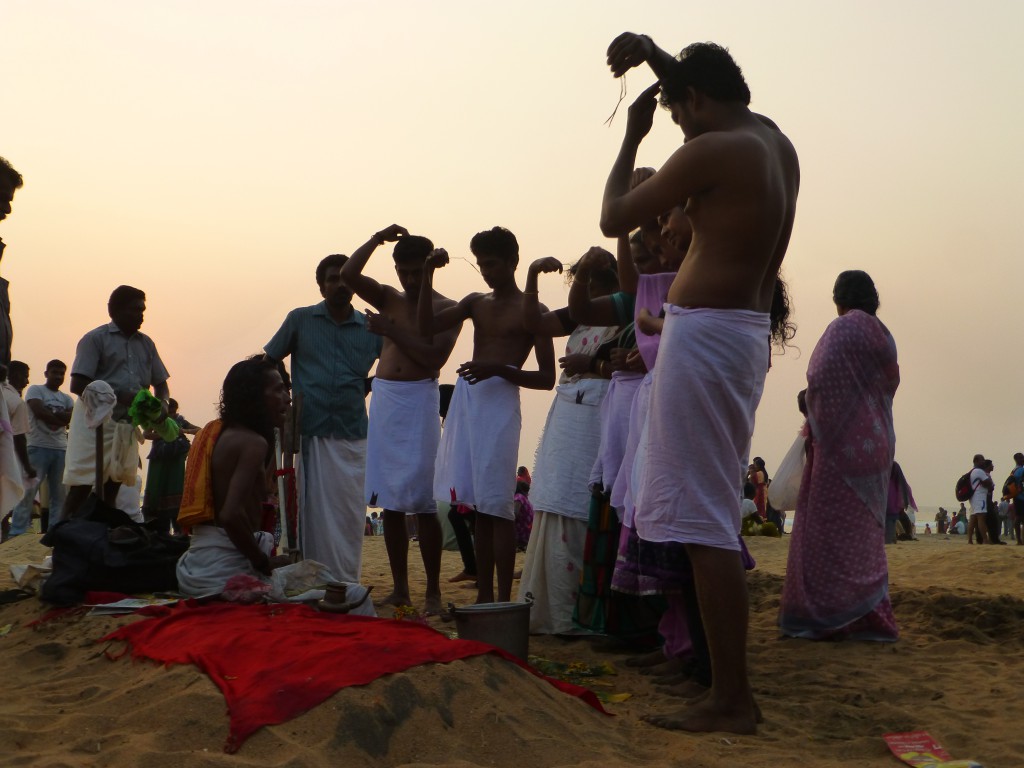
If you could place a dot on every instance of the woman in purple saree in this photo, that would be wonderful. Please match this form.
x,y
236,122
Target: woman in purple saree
x,y
837,578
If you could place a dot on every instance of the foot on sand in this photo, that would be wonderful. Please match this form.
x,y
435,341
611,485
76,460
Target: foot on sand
x,y
685,689
394,599
461,576
432,606
704,717
649,659
667,667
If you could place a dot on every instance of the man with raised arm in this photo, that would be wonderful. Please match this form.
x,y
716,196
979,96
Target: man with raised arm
x,y
478,456
405,423
738,177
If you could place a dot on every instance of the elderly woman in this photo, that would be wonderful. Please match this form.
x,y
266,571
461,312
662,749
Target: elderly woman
x,y
837,585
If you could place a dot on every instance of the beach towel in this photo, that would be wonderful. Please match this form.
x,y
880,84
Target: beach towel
x,y
838,585
551,572
212,560
332,515
708,383
479,449
567,449
274,662
401,446
120,440
615,409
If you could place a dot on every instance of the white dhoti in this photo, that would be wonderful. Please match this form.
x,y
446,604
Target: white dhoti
x,y
622,489
479,449
212,560
614,427
331,474
120,450
401,446
707,384
551,573
567,449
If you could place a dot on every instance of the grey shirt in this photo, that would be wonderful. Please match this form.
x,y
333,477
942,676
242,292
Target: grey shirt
x,y
127,364
41,434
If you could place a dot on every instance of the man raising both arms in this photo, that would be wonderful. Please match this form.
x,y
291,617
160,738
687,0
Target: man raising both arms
x,y
738,177
405,425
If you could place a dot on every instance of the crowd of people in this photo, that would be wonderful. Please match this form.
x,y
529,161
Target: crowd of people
x,y
631,522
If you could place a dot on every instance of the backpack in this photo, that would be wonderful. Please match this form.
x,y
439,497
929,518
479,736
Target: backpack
x,y
1011,488
963,487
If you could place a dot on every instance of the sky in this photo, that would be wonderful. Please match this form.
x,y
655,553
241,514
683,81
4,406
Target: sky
x,y
211,153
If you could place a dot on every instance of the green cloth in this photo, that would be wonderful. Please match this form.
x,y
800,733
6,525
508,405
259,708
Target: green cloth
x,y
145,412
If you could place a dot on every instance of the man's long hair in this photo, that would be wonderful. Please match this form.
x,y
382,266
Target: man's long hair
x,y
241,398
708,68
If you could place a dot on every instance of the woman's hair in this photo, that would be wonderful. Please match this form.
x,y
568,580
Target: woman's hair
x,y
854,289
523,487
608,275
782,328
241,398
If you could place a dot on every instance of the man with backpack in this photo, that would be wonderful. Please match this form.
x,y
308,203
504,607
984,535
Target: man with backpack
x,y
981,484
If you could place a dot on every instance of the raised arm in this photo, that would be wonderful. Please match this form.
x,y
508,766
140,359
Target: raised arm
x,y
582,308
615,217
630,50
367,288
535,321
430,324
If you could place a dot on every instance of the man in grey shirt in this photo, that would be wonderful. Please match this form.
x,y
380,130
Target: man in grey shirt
x,y
126,359
49,413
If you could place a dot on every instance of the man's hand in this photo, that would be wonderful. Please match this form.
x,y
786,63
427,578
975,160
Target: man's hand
x,y
641,114
648,324
436,259
635,362
546,264
629,50
31,472
392,234
640,175
617,357
474,372
576,364
377,324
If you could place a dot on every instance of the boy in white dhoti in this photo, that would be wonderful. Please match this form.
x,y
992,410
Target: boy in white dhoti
x,y
738,177
476,463
405,425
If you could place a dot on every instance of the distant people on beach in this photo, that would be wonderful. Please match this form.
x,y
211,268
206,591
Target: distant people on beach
x,y
981,485
10,182
524,515
405,423
713,349
126,359
942,521
332,352
480,443
1017,505
49,411
852,377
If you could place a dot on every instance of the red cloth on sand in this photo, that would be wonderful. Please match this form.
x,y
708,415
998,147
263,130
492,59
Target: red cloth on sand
x,y
273,662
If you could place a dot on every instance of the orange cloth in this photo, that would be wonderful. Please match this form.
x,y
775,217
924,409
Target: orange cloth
x,y
197,495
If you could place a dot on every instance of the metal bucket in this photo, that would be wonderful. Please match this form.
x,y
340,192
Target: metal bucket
x,y
506,625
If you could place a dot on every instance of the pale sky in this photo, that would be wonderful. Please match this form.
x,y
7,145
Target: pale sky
x,y
211,153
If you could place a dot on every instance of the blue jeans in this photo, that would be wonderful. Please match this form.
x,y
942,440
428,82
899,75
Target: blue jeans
x,y
49,466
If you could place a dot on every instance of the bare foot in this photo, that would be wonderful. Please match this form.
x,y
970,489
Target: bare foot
x,y
462,576
432,606
649,659
667,667
705,717
688,689
394,599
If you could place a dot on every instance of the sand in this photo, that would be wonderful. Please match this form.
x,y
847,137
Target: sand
x,y
957,672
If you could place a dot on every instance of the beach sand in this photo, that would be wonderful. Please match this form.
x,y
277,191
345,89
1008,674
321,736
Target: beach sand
x,y
957,672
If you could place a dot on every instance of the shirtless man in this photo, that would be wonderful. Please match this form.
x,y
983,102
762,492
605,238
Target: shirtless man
x,y
738,176
405,425
226,482
476,463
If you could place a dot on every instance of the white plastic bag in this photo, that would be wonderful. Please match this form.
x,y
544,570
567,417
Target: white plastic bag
x,y
785,487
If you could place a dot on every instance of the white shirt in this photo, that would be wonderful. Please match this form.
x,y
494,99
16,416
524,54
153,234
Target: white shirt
x,y
980,492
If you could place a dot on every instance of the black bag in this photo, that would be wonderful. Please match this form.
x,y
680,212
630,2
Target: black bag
x,y
103,549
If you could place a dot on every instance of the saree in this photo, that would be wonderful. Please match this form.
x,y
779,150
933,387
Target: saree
x,y
837,579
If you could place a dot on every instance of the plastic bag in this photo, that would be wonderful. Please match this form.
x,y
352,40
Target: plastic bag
x,y
785,487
